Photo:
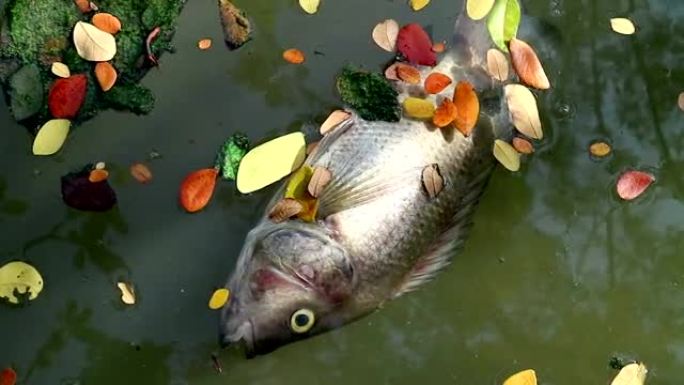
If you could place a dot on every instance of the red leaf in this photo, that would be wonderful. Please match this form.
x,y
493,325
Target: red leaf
x,y
197,189
67,96
633,183
416,46
8,377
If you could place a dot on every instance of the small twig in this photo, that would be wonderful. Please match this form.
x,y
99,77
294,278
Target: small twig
x,y
217,364
148,44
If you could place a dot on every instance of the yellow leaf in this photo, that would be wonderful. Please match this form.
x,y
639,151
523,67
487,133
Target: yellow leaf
x,y
509,158
417,5
270,162
127,293
522,107
310,6
51,137
22,278
622,26
385,35
298,188
632,374
419,108
93,44
600,149
219,299
60,69
478,9
526,377
497,65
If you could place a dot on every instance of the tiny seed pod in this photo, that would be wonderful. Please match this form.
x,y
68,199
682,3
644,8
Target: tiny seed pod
x,y
285,209
432,180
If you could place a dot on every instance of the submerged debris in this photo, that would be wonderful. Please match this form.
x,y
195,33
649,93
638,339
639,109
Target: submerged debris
x,y
237,29
80,193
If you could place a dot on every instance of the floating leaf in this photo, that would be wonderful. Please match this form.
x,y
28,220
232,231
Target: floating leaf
x,y
523,146
106,75
497,65
369,94
141,173
269,162
527,65
310,6
67,96
436,82
416,46
78,192
391,71
293,56
19,278
197,189
127,293
107,23
467,107
204,44
298,188
526,377
632,184
632,374
51,137
478,9
622,26
408,73
334,120
100,165
83,5
503,22
26,92
320,178
417,5
506,155
219,299
445,114
600,149
8,377
432,179
230,154
522,107
385,35
418,108
680,101
285,209
439,47
98,175
93,44
60,69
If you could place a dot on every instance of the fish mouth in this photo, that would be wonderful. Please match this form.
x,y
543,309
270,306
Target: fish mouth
x,y
241,334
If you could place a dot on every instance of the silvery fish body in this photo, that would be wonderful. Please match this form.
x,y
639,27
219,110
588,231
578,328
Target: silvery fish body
x,y
378,234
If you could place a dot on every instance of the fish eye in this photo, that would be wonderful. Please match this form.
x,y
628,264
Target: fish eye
x,y
302,321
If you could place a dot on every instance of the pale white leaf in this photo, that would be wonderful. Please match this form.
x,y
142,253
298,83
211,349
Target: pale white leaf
x,y
93,44
622,26
523,110
385,35
506,155
60,69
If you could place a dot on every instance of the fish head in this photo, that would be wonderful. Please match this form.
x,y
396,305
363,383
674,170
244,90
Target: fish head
x,y
291,282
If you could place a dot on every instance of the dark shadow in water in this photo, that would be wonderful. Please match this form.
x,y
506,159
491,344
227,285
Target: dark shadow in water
x,y
8,205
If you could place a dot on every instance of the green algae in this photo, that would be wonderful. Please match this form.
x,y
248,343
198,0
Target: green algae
x,y
370,94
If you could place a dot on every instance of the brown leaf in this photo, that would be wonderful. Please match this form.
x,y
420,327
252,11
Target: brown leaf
x,y
204,44
320,178
237,29
408,73
335,118
106,75
294,56
467,107
527,65
497,65
107,22
436,82
311,148
141,173
445,114
285,209
432,180
523,146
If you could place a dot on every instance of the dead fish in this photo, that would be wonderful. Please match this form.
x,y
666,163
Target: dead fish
x,y
378,234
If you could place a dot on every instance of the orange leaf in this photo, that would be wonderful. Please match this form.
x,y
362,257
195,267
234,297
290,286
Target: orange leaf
x,y
523,146
527,65
445,114
408,73
141,173
8,376
83,5
98,175
204,44
294,56
106,75
467,107
436,82
439,47
107,22
197,189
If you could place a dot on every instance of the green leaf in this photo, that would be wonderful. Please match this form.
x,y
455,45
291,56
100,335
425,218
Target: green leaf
x,y
370,94
21,278
230,154
26,92
503,22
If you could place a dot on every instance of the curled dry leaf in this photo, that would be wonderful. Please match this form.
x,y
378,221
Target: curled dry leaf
x,y
141,173
320,178
285,209
197,189
415,45
98,175
632,374
294,56
107,22
497,65
204,44
93,44
19,278
506,155
632,184
127,293
408,73
436,82
417,5
433,183
8,377
60,69
310,6
418,108
445,114
478,9
680,101
522,107
523,146
527,65
106,75
219,298
439,47
600,149
51,137
467,107
334,120
526,377
385,35
622,26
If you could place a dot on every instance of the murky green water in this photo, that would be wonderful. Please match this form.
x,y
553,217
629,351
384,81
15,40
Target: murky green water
x,y
558,275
